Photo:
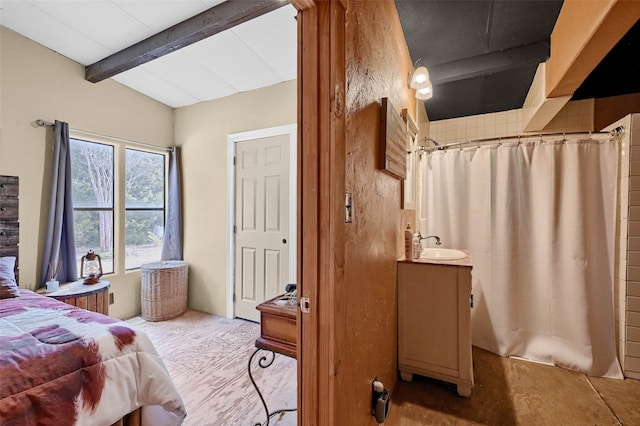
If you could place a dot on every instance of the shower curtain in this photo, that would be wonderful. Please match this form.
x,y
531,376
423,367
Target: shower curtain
x,y
539,219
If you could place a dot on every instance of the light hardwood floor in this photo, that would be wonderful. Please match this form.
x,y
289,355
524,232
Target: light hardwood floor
x,y
207,357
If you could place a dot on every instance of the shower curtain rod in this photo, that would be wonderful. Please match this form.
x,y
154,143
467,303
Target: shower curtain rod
x,y
617,132
42,123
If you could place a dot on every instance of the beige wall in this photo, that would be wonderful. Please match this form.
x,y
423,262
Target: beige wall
x,y
201,130
37,83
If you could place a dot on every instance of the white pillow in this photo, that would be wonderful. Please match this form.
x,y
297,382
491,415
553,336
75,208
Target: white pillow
x,y
8,285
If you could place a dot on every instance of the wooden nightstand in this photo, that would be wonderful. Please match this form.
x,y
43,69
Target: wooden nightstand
x,y
278,334
92,297
278,330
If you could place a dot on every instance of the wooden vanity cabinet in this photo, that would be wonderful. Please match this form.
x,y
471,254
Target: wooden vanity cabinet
x,y
434,323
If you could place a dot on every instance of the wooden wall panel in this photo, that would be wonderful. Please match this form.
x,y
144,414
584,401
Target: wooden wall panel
x,y
347,270
393,141
377,66
321,162
9,225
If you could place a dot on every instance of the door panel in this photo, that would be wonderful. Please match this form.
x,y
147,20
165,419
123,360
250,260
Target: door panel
x,y
272,201
248,274
272,273
262,222
249,204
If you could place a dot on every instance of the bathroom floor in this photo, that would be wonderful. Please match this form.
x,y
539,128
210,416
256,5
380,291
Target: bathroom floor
x,y
515,392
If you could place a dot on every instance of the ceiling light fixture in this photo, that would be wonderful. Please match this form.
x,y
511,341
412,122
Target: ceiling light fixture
x,y
421,82
426,92
420,78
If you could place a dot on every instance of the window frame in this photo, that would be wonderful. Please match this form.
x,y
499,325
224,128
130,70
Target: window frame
x,y
119,209
163,209
97,209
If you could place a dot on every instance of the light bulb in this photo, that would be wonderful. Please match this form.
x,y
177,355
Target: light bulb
x,y
425,92
420,78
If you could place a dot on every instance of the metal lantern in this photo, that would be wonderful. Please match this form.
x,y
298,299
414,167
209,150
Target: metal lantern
x,y
91,268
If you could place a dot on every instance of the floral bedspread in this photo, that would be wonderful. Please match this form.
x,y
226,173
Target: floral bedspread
x,y
62,365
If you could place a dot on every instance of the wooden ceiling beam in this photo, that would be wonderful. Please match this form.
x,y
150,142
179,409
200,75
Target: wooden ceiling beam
x,y
212,21
583,35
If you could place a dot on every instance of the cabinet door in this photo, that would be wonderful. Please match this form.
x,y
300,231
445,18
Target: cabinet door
x,y
428,325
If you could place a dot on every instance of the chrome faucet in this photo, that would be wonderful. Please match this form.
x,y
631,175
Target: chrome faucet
x,y
435,237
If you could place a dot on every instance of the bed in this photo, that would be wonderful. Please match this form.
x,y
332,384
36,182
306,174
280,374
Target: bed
x,y
62,365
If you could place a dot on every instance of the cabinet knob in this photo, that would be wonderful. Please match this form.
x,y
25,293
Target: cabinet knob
x,y
3,208
2,233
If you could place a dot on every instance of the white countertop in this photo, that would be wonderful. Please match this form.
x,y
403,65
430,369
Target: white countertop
x,y
467,261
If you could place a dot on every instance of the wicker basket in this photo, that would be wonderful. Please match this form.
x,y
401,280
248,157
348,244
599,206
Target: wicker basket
x,y
164,290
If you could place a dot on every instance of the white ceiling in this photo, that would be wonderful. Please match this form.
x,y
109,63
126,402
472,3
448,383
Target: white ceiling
x,y
255,54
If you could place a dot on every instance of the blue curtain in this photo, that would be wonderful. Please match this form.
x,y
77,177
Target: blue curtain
x,y
172,242
60,248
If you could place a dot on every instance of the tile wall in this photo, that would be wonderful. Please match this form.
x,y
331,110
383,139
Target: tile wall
x,y
575,116
628,296
621,242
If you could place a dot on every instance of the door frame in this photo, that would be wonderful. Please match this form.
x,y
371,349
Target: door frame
x,y
232,139
321,185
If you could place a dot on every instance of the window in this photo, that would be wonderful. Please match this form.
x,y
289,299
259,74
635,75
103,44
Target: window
x,y
92,188
144,205
95,179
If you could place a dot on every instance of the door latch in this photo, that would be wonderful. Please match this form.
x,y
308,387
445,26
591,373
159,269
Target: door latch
x,y
305,304
348,207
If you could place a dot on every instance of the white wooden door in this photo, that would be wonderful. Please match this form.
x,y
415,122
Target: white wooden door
x,y
261,222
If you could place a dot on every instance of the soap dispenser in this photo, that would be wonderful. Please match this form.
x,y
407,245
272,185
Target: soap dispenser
x,y
408,243
415,247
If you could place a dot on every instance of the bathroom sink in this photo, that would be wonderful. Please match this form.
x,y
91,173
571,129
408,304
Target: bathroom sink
x,y
442,254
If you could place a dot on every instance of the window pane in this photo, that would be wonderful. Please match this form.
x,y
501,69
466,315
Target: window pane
x,y
91,174
94,231
144,231
144,185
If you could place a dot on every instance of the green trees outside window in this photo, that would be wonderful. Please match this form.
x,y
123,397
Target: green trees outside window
x,y
144,205
92,172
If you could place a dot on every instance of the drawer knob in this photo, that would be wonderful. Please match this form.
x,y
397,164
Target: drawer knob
x,y
2,185
2,233
3,208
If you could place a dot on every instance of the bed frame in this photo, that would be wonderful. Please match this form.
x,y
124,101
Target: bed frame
x,y
9,246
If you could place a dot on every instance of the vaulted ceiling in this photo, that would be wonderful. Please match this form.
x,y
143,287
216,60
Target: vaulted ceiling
x,y
482,54
257,53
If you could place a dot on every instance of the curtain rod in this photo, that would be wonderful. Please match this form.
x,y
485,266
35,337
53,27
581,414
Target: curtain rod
x,y
617,132
42,123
